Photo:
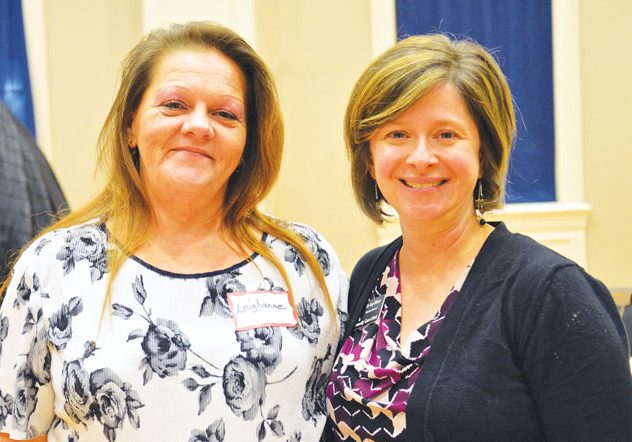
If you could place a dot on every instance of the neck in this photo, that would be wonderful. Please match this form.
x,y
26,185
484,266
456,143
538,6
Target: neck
x,y
440,248
183,231
187,214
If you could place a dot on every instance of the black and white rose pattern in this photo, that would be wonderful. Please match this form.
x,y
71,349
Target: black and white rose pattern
x,y
261,345
164,344
244,387
23,293
85,243
100,395
218,286
38,358
227,386
243,378
214,433
293,257
315,390
60,322
76,389
272,423
308,314
296,437
268,285
166,348
6,407
312,240
4,330
25,400
114,400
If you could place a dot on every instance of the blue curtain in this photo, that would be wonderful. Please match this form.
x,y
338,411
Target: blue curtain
x,y
519,34
15,87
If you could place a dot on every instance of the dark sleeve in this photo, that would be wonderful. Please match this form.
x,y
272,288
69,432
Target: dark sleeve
x,y
575,360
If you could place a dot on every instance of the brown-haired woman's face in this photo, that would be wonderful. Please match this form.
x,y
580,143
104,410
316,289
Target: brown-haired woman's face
x,y
190,127
426,161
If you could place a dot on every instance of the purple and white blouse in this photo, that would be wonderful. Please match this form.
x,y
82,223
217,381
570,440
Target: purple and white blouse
x,y
373,375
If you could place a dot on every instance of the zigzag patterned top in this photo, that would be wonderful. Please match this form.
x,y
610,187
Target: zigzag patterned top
x,y
373,375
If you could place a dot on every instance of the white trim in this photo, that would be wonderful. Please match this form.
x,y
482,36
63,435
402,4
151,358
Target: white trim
x,y
569,166
383,26
558,225
35,36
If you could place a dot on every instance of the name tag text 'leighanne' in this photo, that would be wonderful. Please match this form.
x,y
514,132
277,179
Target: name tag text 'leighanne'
x,y
261,309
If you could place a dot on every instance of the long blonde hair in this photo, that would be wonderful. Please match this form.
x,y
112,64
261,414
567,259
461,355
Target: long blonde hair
x,y
122,203
400,76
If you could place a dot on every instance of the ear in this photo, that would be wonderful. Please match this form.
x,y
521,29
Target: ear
x,y
371,167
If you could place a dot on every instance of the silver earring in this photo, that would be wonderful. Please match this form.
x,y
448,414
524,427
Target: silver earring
x,y
377,195
480,206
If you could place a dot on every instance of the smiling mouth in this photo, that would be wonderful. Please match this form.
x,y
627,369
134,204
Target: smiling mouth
x,y
191,151
430,185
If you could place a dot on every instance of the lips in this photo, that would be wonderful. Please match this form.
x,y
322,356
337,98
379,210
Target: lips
x,y
424,185
192,150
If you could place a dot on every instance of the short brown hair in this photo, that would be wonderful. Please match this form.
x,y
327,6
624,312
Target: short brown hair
x,y
400,76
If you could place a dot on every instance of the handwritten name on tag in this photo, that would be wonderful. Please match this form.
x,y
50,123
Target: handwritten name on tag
x,y
261,309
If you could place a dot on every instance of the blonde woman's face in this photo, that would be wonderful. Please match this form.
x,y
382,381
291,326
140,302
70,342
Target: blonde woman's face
x,y
190,127
426,161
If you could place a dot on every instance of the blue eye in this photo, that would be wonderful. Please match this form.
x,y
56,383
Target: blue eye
x,y
446,135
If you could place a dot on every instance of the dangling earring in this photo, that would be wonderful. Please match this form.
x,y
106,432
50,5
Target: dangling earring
x,y
377,194
480,207
135,157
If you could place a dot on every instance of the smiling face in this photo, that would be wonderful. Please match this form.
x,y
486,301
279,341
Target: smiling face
x,y
426,161
190,126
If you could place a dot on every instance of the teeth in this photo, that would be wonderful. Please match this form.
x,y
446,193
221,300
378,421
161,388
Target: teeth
x,y
423,185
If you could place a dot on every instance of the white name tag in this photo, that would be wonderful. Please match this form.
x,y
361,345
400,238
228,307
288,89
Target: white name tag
x,y
261,309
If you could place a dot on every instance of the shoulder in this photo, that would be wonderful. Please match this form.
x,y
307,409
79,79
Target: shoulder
x,y
315,242
308,234
57,253
511,253
540,281
80,237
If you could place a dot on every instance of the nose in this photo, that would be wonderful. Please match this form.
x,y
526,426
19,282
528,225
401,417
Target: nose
x,y
198,123
422,154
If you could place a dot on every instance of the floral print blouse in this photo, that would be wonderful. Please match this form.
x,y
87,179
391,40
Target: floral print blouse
x,y
374,374
165,359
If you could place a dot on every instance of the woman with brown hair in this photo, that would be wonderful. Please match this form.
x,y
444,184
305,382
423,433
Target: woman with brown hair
x,y
170,307
460,330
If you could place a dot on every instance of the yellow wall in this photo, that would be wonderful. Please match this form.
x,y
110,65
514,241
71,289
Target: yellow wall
x,y
316,56
85,43
606,72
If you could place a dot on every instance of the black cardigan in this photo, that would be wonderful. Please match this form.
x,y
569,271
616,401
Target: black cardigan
x,y
532,349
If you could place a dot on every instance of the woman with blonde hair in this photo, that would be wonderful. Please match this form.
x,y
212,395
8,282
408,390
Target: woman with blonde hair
x,y
460,330
170,307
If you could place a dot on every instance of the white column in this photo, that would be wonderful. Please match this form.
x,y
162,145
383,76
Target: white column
x,y
34,32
